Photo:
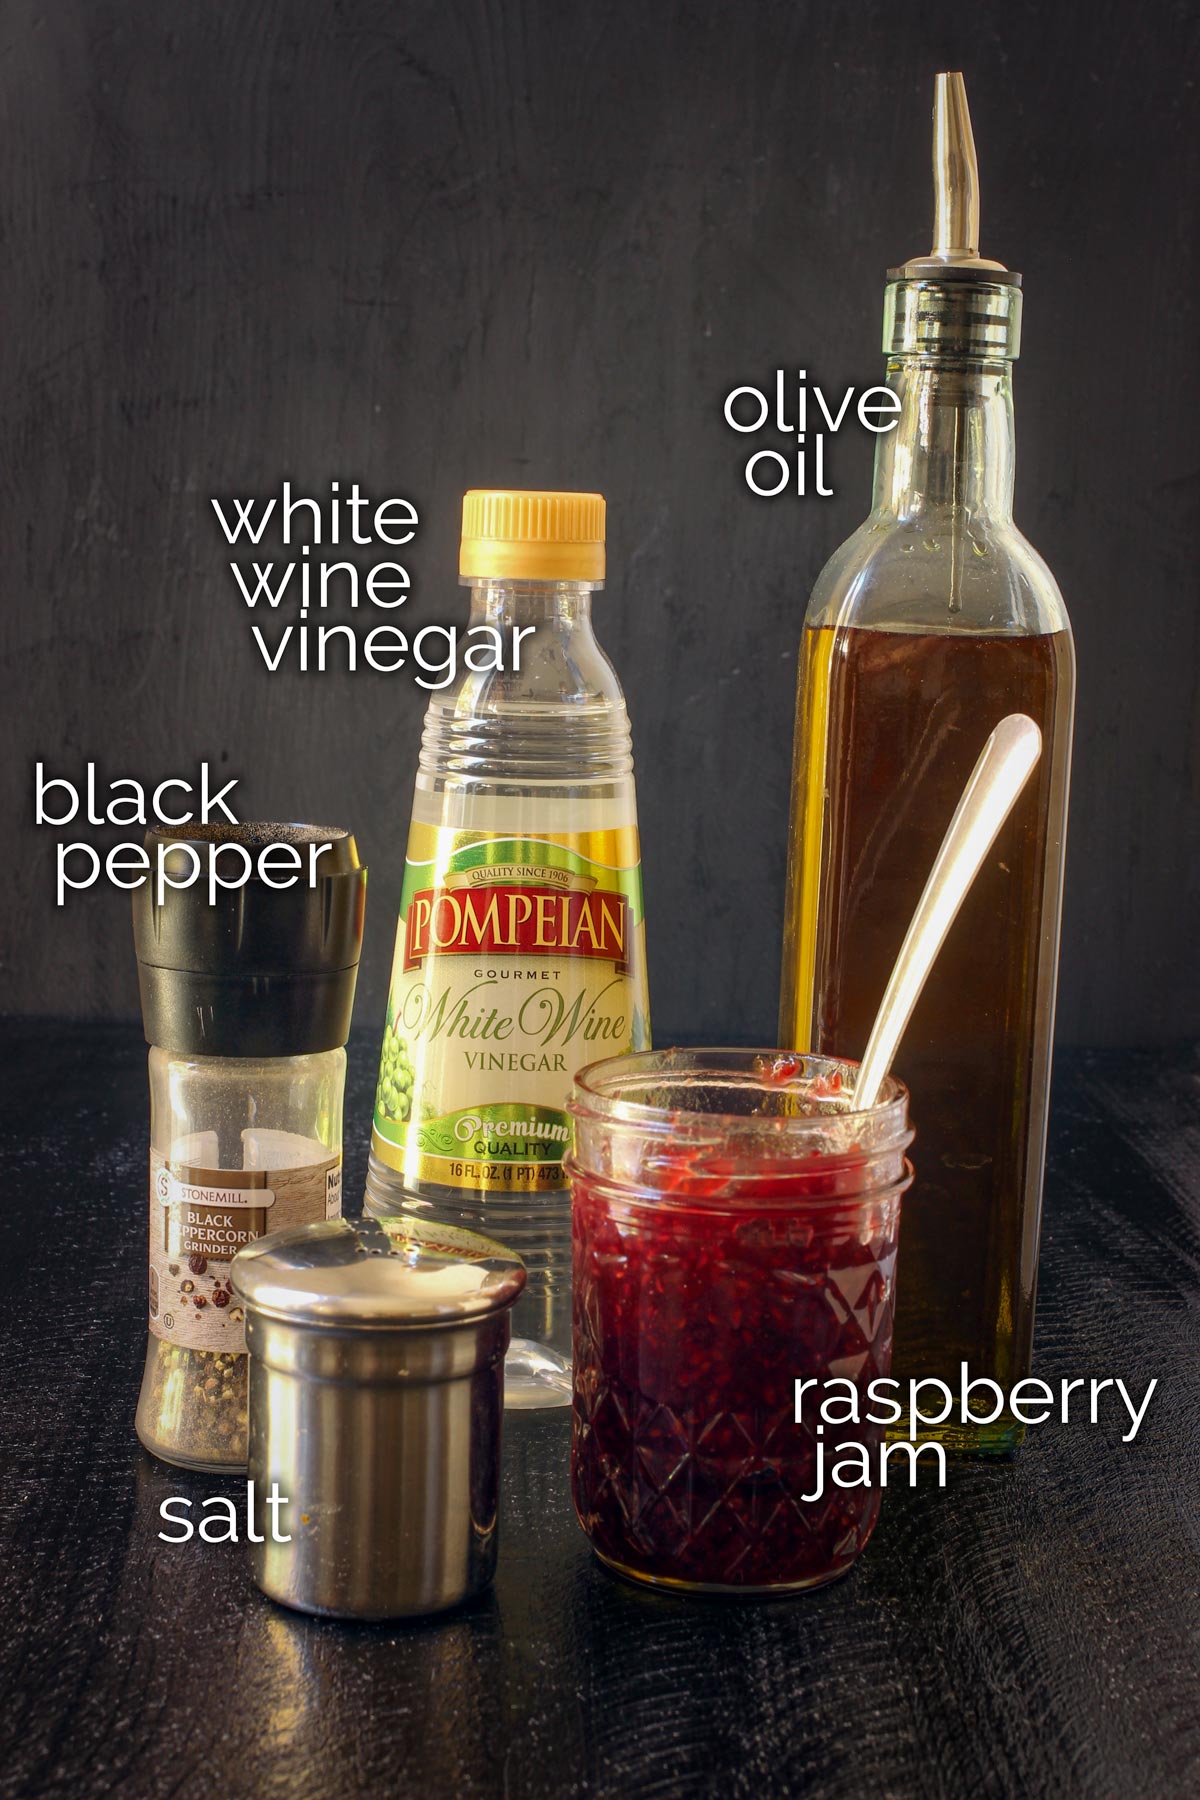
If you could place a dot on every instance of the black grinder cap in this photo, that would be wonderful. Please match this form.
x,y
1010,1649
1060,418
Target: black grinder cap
x,y
265,971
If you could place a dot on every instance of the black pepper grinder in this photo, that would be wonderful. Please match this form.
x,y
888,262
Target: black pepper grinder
x,y
246,1005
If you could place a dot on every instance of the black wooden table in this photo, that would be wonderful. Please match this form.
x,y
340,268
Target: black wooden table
x,y
1033,1629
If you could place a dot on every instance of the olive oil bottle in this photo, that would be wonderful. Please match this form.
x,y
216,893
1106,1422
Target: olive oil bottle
x,y
931,622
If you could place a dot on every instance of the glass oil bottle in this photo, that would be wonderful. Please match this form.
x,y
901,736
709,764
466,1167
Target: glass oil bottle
x,y
932,621
520,948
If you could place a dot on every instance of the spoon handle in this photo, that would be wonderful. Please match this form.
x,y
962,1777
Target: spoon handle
x,y
1004,766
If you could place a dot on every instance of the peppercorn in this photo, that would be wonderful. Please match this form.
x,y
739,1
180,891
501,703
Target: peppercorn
x,y
204,1392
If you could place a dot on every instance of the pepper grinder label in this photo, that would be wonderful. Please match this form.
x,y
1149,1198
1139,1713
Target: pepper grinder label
x,y
200,1219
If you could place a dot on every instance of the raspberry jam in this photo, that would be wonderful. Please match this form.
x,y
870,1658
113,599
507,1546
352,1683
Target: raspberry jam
x,y
734,1229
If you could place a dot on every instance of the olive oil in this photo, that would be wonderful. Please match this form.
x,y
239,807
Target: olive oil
x,y
916,707
934,620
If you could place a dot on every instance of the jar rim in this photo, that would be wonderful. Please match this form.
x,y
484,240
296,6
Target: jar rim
x,y
602,1091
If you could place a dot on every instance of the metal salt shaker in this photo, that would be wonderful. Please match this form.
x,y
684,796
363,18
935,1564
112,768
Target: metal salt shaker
x,y
375,1401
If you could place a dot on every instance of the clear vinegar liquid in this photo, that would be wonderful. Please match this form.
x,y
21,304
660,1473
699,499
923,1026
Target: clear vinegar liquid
x,y
889,727
523,771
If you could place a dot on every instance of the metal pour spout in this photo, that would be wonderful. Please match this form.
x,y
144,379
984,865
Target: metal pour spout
x,y
955,173
955,186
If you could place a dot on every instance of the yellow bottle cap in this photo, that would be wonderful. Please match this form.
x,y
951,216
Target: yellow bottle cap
x,y
531,535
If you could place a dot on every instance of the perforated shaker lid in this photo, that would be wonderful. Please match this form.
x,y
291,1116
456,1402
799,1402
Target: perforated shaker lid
x,y
377,1273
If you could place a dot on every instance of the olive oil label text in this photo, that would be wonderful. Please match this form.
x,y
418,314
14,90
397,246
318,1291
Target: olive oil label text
x,y
200,1218
517,961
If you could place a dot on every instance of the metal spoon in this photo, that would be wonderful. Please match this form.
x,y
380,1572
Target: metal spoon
x,y
1005,765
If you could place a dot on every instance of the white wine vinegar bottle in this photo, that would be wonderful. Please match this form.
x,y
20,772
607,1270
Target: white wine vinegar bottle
x,y
928,625
520,949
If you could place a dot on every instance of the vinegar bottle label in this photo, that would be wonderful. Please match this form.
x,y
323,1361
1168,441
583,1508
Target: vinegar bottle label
x,y
518,960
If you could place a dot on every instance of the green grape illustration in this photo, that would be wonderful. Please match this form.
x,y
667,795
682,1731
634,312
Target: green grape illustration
x,y
393,1096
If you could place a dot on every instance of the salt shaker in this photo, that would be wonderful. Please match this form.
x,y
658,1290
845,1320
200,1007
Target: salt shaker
x,y
376,1398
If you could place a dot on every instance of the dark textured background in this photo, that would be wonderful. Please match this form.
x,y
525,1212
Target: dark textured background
x,y
443,244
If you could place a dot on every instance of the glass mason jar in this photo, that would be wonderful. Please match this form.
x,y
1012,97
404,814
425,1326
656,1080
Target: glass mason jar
x,y
735,1228
223,1122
